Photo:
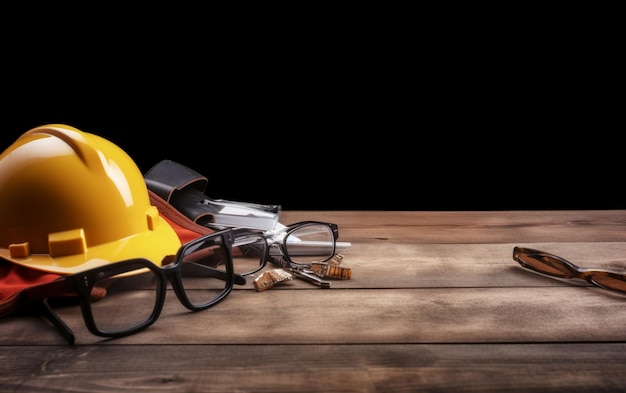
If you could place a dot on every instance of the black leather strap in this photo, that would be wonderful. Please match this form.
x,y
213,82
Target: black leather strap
x,y
168,176
181,187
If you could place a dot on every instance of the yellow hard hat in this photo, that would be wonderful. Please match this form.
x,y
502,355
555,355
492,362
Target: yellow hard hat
x,y
71,200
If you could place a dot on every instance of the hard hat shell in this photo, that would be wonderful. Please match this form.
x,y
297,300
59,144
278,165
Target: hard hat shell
x,y
71,200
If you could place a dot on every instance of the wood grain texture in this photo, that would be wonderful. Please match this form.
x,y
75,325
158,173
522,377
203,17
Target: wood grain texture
x,y
435,303
495,368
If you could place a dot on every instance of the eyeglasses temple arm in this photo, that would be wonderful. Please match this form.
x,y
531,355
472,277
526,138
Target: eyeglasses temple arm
x,y
38,296
239,279
211,272
47,311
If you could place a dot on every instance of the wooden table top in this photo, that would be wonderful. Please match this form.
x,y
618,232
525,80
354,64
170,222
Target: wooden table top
x,y
435,303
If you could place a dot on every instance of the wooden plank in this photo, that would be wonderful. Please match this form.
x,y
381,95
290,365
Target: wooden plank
x,y
473,227
365,316
435,303
579,367
400,265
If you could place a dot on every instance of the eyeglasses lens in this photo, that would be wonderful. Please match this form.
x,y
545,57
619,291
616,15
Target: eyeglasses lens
x,y
124,301
310,243
204,271
249,250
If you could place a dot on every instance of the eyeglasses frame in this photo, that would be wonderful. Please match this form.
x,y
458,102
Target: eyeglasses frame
x,y
82,284
285,260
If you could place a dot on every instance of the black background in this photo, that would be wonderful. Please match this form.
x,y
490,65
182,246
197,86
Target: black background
x,y
470,119
364,155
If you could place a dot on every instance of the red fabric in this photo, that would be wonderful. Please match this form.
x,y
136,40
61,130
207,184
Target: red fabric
x,y
14,278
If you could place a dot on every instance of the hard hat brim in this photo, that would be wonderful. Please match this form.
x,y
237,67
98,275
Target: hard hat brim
x,y
151,245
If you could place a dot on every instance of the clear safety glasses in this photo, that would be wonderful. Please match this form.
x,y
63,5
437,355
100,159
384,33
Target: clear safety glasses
x,y
123,298
297,245
556,267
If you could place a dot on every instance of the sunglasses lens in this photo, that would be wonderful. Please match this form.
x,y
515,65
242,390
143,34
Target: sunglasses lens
x,y
545,264
609,282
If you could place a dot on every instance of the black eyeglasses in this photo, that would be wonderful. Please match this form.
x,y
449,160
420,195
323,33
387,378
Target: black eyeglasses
x,y
295,246
556,267
122,298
